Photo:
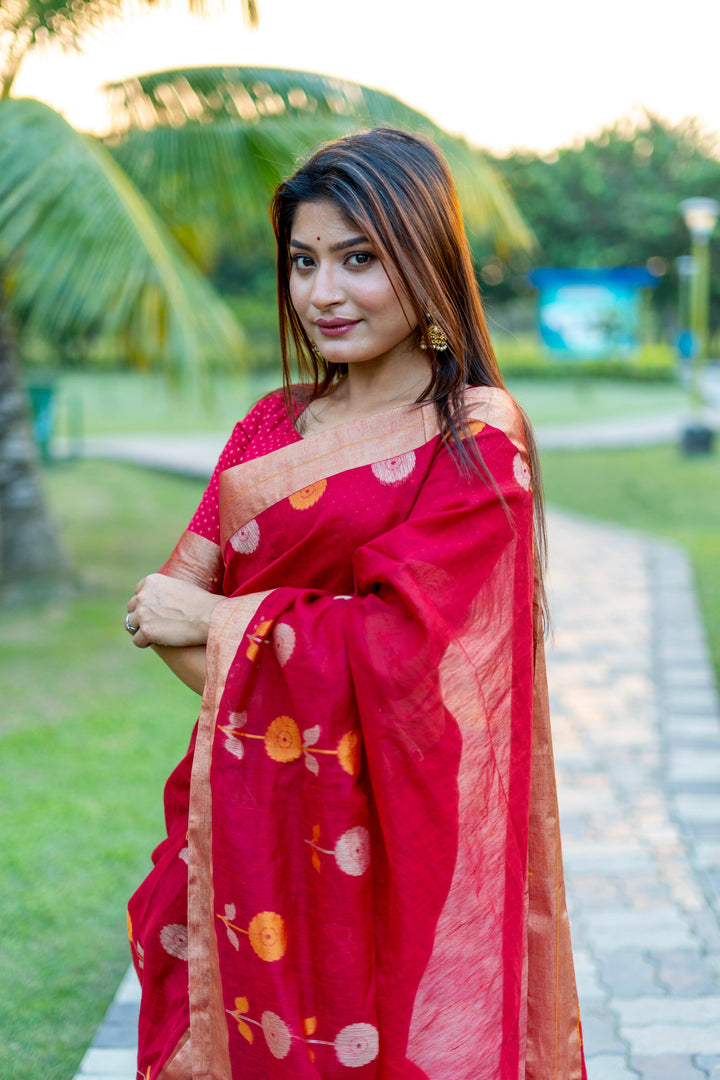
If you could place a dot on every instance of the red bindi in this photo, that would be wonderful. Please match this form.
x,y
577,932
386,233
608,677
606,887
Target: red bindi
x,y
318,237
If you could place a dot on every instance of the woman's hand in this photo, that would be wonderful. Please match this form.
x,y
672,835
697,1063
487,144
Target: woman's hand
x,y
167,611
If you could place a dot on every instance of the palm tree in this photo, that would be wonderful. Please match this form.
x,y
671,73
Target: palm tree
x,y
44,221
96,235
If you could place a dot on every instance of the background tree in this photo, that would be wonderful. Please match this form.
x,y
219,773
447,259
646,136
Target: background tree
x,y
613,201
36,233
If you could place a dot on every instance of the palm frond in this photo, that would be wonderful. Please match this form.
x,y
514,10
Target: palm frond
x,y
87,254
227,134
215,178
23,23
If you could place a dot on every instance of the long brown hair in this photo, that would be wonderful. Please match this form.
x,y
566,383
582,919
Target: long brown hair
x,y
397,190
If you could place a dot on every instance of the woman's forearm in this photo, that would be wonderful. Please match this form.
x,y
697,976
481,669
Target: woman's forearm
x,y
187,662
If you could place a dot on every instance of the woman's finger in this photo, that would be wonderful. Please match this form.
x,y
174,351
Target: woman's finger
x,y
140,641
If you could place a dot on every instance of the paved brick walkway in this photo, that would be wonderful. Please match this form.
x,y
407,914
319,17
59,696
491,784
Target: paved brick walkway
x,y
637,743
637,740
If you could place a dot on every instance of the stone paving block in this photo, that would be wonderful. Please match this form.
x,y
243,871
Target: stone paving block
x,y
695,787
693,702
129,989
679,652
645,894
600,1035
685,719
576,761
673,1038
701,733
105,1076
573,828
116,1036
710,1063
691,675
688,895
686,972
590,992
109,1062
666,1067
122,1013
669,1011
602,859
616,828
698,808
609,1067
701,830
588,799
707,853
594,891
628,973
687,764
705,926
651,928
583,960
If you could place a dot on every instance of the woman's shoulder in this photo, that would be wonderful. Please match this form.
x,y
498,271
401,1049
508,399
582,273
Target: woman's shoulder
x,y
277,406
494,406
268,426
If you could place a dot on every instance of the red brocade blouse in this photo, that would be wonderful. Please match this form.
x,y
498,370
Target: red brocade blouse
x,y
362,874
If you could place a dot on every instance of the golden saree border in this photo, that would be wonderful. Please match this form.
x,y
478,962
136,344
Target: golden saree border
x,y
208,1027
554,1048
251,487
196,559
470,915
179,1065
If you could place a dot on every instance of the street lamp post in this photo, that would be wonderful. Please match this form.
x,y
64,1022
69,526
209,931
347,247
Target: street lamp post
x,y
685,266
700,215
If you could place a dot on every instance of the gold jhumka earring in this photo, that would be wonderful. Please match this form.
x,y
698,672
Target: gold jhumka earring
x,y
436,336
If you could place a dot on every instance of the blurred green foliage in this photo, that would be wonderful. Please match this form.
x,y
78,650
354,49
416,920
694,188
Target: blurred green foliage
x,y
523,357
612,201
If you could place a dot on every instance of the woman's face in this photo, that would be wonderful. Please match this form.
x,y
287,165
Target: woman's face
x,y
342,292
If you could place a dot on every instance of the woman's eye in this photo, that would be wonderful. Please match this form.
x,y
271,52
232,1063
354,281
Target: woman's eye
x,y
360,258
300,262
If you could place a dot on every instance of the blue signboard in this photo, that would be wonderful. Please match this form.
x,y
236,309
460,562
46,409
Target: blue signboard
x,y
591,314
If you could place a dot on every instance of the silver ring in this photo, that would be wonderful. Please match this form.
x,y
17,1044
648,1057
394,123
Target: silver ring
x,y
128,627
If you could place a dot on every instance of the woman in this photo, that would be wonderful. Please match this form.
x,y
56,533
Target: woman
x,y
359,878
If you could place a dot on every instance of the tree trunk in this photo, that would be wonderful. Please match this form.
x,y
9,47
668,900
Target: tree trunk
x,y
30,549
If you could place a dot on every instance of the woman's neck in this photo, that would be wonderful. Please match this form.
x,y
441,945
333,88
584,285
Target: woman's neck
x,y
372,387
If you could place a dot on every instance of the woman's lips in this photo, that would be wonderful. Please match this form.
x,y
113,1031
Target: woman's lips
x,y
336,327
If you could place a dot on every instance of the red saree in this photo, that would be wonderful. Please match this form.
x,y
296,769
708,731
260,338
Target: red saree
x,y
360,878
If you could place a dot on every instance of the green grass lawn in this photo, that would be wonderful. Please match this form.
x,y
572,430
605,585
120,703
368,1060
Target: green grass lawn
x,y
573,401
107,403
91,727
656,490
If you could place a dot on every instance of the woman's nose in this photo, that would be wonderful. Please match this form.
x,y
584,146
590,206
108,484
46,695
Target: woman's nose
x,y
326,289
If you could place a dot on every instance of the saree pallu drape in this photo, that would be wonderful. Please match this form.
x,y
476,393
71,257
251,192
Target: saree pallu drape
x,y
362,874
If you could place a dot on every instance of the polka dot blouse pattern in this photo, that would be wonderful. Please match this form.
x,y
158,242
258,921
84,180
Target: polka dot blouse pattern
x,y
266,428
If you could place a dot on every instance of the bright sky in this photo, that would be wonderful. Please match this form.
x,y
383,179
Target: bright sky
x,y
505,73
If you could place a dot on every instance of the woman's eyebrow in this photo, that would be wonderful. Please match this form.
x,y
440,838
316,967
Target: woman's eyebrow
x,y
340,246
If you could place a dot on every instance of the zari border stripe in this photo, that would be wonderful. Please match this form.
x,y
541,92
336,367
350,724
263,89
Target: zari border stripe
x,y
251,487
208,1026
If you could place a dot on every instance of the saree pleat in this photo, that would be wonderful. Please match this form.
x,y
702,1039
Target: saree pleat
x,y
374,883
